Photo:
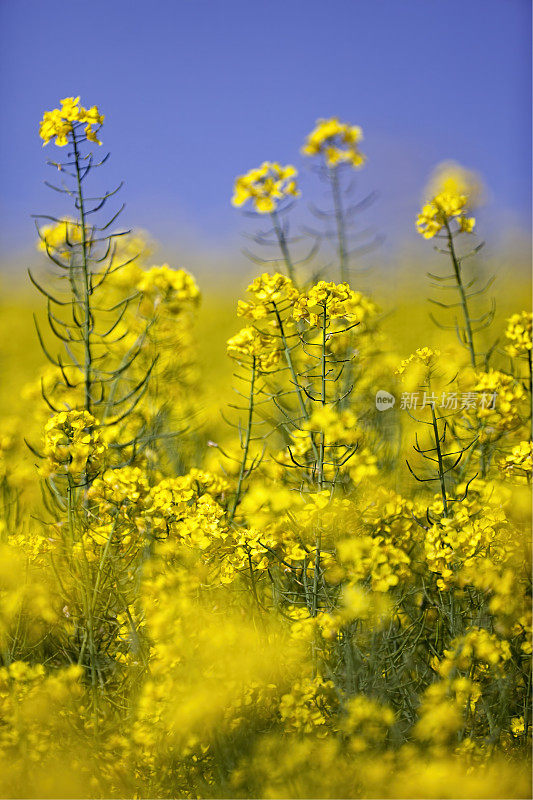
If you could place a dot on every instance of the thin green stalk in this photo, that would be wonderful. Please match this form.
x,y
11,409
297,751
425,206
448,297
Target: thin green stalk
x,y
247,438
320,465
339,219
86,331
288,358
464,303
440,461
283,245
103,559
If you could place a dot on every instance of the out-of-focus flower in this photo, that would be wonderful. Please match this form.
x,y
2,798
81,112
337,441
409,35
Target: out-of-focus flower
x,y
265,186
518,332
336,141
451,177
175,287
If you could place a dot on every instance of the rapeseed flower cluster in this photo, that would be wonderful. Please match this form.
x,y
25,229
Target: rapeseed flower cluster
x,y
73,445
60,122
441,211
268,293
335,300
449,177
266,186
336,141
251,343
174,288
518,334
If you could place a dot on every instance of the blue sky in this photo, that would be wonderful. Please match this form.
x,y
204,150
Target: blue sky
x,y
197,91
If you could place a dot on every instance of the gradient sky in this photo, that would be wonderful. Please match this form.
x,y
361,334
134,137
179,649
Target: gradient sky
x,y
197,91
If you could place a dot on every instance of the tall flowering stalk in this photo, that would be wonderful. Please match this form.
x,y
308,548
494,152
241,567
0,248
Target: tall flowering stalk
x,y
446,216
270,188
336,145
97,387
89,323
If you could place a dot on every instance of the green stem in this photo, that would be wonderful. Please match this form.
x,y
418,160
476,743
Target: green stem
x,y
246,448
100,567
464,303
86,329
283,245
298,389
440,461
320,465
339,218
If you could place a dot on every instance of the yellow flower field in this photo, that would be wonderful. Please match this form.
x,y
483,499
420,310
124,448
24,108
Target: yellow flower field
x,y
273,543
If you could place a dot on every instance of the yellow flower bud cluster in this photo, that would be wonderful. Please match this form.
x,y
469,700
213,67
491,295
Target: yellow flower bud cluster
x,y
439,213
336,301
175,288
251,343
73,445
118,500
339,427
336,141
519,462
61,121
265,186
423,356
518,332
508,409
269,293
188,511
375,559
392,517
452,541
308,706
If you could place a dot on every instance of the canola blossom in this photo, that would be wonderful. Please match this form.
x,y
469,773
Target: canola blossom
x,y
266,186
443,209
336,141
60,122
518,334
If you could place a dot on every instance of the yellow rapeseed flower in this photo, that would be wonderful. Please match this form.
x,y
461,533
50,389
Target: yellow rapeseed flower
x,y
251,343
440,211
60,122
450,177
336,141
265,186
518,332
